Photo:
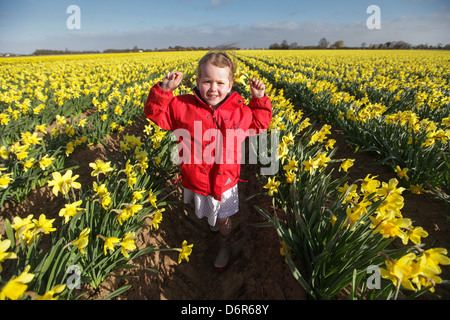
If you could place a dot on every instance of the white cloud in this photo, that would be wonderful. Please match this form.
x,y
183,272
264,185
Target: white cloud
x,y
217,3
428,29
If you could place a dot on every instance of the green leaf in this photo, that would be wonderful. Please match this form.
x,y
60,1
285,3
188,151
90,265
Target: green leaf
x,y
118,292
10,234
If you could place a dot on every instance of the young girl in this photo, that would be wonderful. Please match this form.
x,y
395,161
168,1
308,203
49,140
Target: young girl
x,y
205,119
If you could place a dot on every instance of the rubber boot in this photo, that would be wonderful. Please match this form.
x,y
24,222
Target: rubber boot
x,y
214,229
224,255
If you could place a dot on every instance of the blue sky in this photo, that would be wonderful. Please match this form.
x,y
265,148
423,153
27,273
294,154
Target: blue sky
x,y
27,25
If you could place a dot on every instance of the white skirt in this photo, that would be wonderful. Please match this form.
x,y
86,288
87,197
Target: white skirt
x,y
207,206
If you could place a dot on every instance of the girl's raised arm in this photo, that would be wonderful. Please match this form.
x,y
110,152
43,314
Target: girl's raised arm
x,y
172,80
257,88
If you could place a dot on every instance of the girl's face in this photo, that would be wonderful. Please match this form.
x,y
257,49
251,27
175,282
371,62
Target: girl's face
x,y
214,84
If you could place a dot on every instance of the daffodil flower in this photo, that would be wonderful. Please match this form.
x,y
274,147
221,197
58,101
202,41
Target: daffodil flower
x,y
100,166
310,165
292,165
63,183
128,244
46,161
272,185
82,240
22,225
16,287
152,198
157,218
346,164
416,234
109,244
402,172
70,210
43,224
5,180
5,245
49,295
185,251
369,184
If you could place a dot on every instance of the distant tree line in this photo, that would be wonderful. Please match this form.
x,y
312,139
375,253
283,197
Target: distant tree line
x,y
41,52
284,45
339,44
135,49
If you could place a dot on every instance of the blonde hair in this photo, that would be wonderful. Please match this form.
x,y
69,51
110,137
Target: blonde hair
x,y
218,59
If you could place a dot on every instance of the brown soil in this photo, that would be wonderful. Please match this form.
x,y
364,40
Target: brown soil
x,y
257,270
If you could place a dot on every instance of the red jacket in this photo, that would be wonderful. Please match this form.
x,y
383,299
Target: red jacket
x,y
198,128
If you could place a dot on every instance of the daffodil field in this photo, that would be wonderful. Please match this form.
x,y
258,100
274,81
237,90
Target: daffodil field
x,y
334,234
394,105
50,107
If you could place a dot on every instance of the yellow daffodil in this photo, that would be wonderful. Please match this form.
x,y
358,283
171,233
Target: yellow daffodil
x,y
5,180
415,235
109,244
401,271
282,151
322,159
128,244
100,166
16,287
388,189
4,152
22,225
311,165
82,240
402,172
346,164
157,218
272,185
414,271
290,176
416,189
152,198
49,295
46,161
137,195
289,139
106,201
185,251
4,246
369,185
436,256
70,148
292,165
352,192
70,210
43,224
330,144
63,183
305,124
100,190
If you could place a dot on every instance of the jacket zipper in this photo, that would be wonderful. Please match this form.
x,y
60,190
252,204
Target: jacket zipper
x,y
217,123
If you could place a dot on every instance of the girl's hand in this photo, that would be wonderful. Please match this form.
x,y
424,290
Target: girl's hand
x,y
257,88
172,80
